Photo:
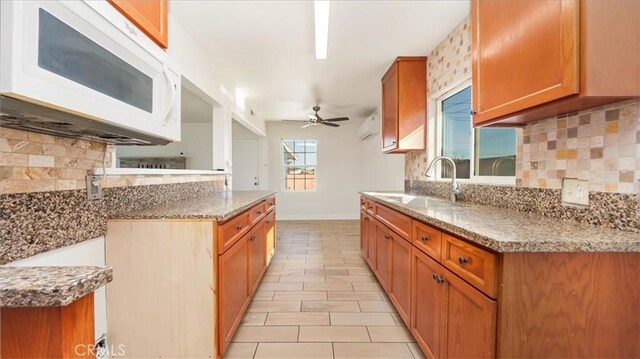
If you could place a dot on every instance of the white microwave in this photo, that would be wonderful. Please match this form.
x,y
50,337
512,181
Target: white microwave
x,y
81,69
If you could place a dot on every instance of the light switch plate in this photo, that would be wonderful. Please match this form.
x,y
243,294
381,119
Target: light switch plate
x,y
575,191
94,187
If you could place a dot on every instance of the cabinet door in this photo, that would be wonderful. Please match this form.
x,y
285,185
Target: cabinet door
x,y
428,301
470,321
371,230
150,16
364,234
525,53
270,233
233,289
383,255
257,255
390,109
400,286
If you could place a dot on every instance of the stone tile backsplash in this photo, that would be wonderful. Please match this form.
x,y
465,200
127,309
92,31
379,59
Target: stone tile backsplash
x,y
34,162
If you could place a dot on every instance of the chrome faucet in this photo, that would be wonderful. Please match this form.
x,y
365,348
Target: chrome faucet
x,y
455,186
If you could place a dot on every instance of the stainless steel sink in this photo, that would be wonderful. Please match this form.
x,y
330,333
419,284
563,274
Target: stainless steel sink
x,y
416,201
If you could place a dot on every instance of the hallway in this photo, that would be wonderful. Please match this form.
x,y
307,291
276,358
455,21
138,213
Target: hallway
x,y
318,299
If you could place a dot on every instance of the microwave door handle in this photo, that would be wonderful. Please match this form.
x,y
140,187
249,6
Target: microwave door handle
x,y
172,87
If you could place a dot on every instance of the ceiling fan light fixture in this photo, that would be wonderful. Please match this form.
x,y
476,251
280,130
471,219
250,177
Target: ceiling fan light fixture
x,y
321,19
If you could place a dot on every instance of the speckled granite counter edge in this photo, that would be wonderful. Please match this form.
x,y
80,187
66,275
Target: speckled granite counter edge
x,y
218,217
33,223
503,247
52,294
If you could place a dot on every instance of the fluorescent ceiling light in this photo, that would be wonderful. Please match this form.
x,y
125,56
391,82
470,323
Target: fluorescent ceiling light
x,y
321,11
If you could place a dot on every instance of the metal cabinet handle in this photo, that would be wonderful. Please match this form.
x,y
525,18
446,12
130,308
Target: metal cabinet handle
x,y
438,278
253,238
238,227
366,218
472,112
259,212
463,260
386,236
424,238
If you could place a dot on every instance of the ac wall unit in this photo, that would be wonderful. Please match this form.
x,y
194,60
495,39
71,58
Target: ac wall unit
x,y
369,128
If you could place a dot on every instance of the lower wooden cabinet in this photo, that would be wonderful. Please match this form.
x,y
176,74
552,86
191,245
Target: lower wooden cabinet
x,y
257,256
449,292
449,317
428,304
383,255
234,288
470,320
400,286
270,234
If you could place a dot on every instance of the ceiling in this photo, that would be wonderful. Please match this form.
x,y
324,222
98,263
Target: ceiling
x,y
267,48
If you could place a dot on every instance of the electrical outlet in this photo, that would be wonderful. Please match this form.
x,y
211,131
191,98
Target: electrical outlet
x,y
94,187
575,192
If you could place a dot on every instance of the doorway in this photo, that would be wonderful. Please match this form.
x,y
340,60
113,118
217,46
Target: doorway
x,y
245,157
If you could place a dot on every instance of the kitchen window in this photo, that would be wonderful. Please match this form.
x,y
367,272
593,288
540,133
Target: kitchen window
x,y
299,161
486,155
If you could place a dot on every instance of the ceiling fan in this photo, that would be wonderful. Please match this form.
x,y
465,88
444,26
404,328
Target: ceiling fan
x,y
315,120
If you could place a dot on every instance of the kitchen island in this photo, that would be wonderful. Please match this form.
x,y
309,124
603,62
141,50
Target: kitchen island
x,y
189,270
479,281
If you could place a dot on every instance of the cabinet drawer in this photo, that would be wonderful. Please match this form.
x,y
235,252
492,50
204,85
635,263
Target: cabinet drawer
x,y
400,223
230,231
257,212
427,239
271,203
475,265
363,203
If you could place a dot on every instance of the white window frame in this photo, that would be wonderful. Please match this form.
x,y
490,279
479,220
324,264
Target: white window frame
x,y
436,136
283,182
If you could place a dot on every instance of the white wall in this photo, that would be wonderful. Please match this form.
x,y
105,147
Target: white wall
x,y
196,146
379,171
346,165
200,69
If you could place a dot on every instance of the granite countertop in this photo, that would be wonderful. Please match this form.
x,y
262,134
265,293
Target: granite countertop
x,y
49,286
505,230
219,206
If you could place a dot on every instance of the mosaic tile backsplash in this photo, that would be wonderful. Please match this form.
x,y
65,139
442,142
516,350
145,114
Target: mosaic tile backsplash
x,y
599,145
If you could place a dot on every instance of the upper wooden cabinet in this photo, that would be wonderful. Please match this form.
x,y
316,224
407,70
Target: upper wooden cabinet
x,y
404,105
150,16
537,59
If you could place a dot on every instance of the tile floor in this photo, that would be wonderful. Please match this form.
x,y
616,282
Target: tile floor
x,y
319,299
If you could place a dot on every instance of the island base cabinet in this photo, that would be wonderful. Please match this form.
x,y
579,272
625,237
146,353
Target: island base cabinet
x,y
257,256
234,289
270,234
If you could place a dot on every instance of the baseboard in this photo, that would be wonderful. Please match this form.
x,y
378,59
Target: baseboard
x,y
319,217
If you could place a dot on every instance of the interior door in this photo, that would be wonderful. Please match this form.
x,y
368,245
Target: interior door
x,y
246,164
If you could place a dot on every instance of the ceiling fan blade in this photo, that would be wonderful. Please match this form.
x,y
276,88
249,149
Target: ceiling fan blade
x,y
294,120
337,119
330,124
307,125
